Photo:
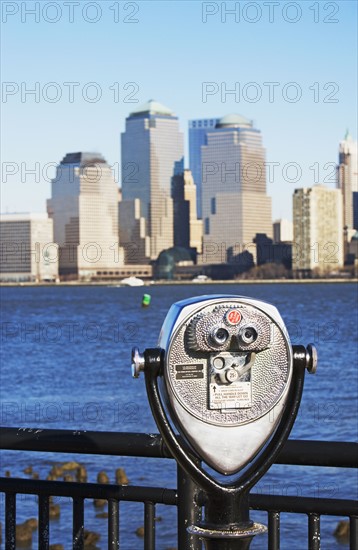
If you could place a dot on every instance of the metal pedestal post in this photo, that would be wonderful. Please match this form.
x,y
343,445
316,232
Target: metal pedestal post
x,y
227,524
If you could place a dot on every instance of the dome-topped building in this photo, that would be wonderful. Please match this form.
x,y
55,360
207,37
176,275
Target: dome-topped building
x,y
152,107
233,121
171,258
199,129
235,205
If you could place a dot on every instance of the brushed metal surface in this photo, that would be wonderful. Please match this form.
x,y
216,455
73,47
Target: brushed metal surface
x,y
269,373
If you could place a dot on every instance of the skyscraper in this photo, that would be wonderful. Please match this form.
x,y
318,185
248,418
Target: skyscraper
x,y
152,153
188,230
133,233
355,210
84,209
234,202
198,130
317,230
348,177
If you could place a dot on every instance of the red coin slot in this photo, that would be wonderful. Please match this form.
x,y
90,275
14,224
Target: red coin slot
x,y
233,317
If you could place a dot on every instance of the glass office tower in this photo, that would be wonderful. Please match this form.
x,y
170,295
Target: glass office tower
x,y
152,153
198,130
235,205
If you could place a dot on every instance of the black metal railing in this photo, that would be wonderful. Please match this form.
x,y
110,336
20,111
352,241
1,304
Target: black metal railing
x,y
301,453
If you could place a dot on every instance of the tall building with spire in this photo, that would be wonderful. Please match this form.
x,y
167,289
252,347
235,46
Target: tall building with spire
x,y
84,209
152,153
235,205
348,177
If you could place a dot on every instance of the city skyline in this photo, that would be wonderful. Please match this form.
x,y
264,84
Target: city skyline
x,y
125,63
271,168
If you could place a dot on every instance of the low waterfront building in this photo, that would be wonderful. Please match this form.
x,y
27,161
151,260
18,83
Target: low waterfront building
x,y
28,251
270,252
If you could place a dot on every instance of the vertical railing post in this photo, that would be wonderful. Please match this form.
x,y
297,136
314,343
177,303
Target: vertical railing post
x,y
189,512
44,522
113,524
353,532
10,521
314,532
274,530
149,526
78,524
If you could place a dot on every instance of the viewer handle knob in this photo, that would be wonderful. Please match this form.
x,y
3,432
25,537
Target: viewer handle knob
x,y
138,362
306,357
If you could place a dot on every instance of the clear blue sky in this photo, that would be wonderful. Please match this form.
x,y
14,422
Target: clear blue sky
x,y
168,51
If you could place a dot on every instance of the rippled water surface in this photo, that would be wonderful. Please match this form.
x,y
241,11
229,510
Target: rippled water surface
x,y
66,364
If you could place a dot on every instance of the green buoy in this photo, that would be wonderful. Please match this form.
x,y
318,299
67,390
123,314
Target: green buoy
x,y
146,300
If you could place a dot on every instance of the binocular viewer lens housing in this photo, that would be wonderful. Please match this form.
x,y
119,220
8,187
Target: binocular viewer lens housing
x,y
248,335
219,336
227,370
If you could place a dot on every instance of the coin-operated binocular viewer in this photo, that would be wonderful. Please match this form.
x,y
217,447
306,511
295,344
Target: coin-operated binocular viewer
x,y
226,376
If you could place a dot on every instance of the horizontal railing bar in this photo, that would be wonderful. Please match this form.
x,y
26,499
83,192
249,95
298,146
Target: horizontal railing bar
x,y
83,442
336,454
71,489
158,495
304,505
295,452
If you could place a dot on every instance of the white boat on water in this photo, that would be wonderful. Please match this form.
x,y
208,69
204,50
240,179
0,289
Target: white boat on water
x,y
132,281
201,279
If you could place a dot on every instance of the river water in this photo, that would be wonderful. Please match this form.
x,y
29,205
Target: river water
x,y
65,363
